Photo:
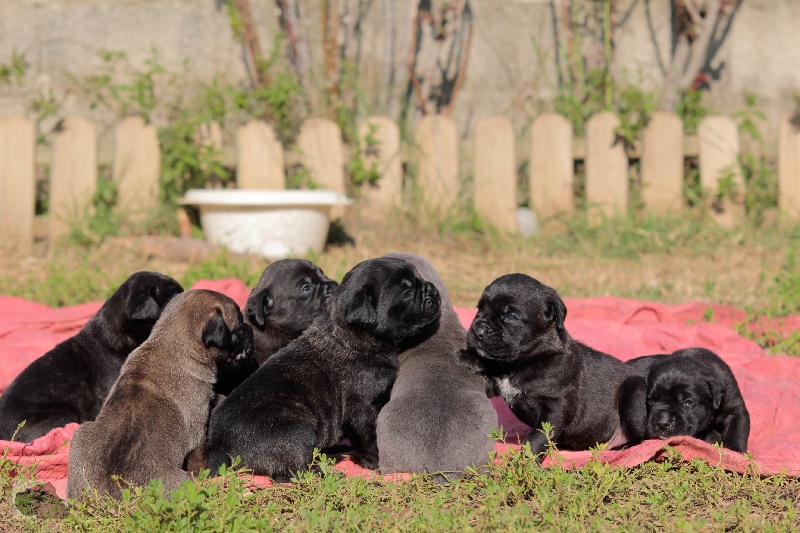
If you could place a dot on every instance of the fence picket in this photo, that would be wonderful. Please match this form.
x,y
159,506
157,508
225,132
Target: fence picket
x,y
495,173
606,167
322,153
137,165
438,162
388,191
789,167
17,182
662,162
551,166
719,152
260,162
73,176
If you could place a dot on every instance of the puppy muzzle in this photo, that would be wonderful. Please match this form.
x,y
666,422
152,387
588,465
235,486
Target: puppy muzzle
x,y
487,341
242,343
664,424
431,300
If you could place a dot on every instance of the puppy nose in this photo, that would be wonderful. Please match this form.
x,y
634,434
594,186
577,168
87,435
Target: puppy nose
x,y
665,421
479,329
431,296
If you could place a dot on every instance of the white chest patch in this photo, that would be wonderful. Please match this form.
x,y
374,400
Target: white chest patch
x,y
508,391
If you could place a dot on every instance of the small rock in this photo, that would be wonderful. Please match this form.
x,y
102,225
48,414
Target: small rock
x,y
527,223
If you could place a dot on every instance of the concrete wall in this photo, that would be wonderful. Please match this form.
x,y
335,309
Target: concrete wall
x,y
61,39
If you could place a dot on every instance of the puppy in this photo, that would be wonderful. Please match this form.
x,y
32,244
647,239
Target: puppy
x,y
333,380
289,296
519,341
438,419
157,410
693,392
284,302
70,382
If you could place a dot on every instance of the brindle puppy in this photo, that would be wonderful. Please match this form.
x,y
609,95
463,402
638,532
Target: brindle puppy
x,y
157,410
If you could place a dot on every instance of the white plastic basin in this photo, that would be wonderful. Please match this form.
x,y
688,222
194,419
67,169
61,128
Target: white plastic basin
x,y
271,223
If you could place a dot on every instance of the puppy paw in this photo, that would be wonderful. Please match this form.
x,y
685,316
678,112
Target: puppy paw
x,y
369,461
466,357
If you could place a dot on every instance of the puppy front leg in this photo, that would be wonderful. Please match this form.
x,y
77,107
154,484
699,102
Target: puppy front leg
x,y
632,405
735,430
537,438
362,435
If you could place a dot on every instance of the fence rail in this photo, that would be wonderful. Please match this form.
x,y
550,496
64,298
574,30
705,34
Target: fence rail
x,y
260,163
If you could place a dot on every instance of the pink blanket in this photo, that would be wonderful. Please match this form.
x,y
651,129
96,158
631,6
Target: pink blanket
x,y
623,327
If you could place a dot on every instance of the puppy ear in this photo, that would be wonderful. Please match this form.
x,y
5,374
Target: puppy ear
x,y
143,306
556,313
216,332
716,392
259,306
361,311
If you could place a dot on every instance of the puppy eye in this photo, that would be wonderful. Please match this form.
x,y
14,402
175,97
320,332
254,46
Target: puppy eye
x,y
305,288
511,317
688,403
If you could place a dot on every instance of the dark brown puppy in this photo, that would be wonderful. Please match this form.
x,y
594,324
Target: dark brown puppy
x,y
289,296
332,381
438,419
157,410
518,340
70,382
693,392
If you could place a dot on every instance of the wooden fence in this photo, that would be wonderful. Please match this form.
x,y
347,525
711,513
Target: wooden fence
x,y
260,164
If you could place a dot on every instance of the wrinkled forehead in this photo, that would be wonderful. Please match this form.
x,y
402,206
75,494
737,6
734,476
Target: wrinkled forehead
x,y
673,378
289,267
422,267
147,278
199,302
516,290
381,273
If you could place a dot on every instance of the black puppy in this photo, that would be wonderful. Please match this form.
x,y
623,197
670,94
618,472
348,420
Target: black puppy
x,y
290,294
70,382
691,392
519,341
333,380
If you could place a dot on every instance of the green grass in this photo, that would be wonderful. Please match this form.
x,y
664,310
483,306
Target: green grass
x,y
784,299
628,237
223,265
785,287
63,284
672,495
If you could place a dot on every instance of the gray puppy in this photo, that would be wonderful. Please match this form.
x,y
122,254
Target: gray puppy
x,y
156,413
438,419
